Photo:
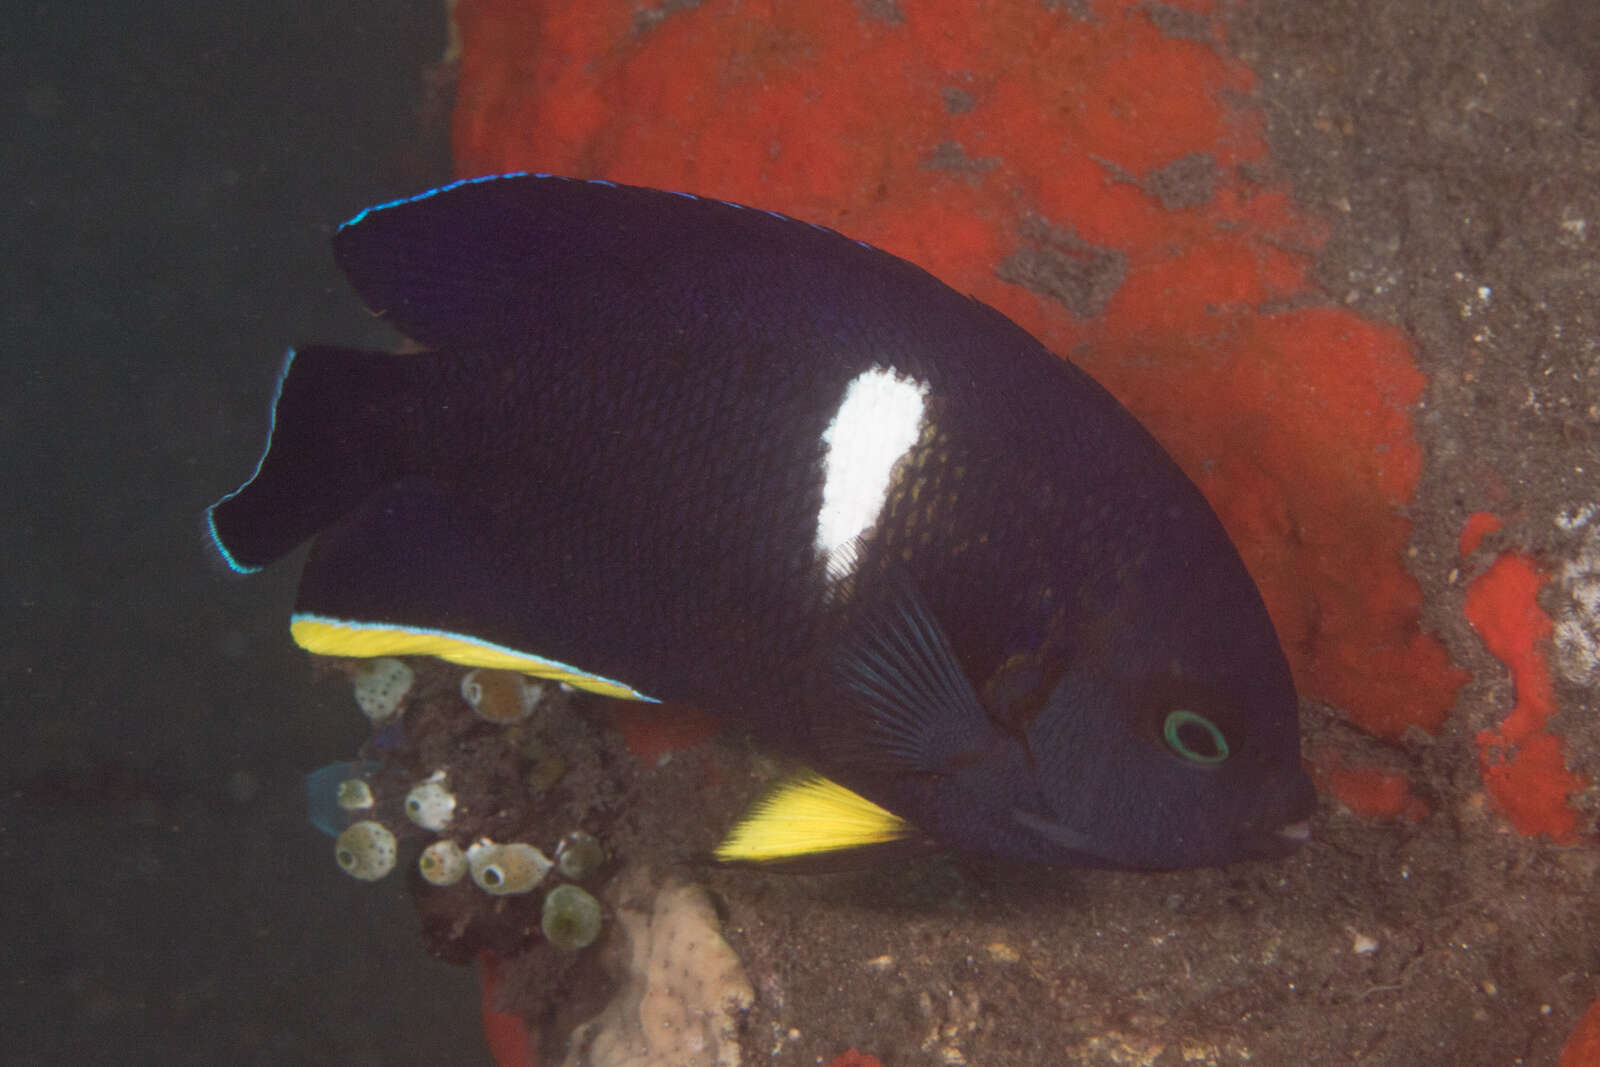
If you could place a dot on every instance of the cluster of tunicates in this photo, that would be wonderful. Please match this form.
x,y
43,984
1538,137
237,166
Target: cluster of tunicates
x,y
570,917
340,792
342,803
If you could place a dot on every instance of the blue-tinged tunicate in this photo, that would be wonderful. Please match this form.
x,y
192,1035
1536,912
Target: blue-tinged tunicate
x,y
337,791
354,795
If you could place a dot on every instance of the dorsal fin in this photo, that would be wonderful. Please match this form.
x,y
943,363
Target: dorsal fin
x,y
485,258
333,442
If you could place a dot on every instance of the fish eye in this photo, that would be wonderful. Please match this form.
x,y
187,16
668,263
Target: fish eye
x,y
1194,737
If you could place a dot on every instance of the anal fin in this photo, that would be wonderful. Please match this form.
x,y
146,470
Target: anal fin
x,y
412,573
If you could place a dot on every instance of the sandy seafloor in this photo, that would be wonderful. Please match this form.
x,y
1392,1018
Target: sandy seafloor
x,y
172,172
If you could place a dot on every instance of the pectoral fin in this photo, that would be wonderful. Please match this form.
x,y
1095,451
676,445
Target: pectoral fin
x,y
904,705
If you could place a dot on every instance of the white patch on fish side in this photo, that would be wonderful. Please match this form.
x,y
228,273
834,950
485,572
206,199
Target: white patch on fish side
x,y
878,422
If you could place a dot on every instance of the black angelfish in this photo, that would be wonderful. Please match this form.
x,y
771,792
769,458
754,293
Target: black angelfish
x,y
665,447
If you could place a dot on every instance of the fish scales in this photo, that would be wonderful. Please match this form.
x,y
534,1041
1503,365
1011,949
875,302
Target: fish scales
x,y
667,447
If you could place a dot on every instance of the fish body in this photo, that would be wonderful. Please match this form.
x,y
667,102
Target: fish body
x,y
670,448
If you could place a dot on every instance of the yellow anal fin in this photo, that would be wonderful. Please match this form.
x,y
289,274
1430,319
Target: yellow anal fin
x,y
810,816
323,636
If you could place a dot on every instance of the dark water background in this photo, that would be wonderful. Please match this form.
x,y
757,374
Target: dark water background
x,y
170,174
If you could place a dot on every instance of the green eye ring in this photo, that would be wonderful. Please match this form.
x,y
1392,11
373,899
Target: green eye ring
x,y
1174,729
